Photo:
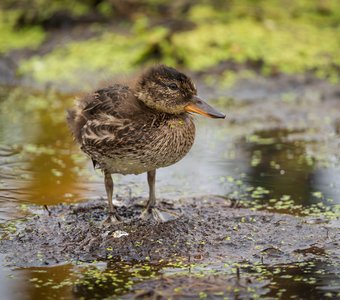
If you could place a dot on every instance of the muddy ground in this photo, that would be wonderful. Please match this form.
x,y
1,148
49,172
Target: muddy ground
x,y
208,229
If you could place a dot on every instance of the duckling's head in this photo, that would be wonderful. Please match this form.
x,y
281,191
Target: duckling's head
x,y
166,90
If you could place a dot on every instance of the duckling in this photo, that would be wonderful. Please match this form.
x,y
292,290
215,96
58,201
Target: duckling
x,y
139,128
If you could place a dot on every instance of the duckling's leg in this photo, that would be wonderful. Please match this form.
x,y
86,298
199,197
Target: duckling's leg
x,y
113,216
152,192
151,212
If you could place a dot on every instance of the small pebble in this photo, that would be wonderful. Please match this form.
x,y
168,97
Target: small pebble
x,y
119,233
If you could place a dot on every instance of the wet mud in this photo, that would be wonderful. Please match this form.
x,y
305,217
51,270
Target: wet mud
x,y
208,229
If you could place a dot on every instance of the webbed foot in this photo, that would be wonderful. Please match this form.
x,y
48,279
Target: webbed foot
x,y
160,216
112,218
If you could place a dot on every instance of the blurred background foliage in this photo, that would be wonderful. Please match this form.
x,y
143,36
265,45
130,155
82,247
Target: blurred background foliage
x,y
115,37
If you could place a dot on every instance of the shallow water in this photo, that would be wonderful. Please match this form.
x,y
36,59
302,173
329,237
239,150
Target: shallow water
x,y
40,164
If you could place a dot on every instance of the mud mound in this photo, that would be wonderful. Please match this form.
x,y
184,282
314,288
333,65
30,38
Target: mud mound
x,y
209,229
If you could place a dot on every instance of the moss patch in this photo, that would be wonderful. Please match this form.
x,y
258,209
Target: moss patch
x,y
304,37
111,54
290,48
12,38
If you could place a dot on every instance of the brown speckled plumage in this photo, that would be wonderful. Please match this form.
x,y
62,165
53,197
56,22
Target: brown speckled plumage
x,y
137,129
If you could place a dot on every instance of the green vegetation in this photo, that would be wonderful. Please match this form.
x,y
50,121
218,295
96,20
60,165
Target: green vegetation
x,y
289,48
111,54
14,38
38,11
272,36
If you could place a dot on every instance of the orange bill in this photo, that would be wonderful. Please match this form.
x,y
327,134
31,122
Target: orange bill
x,y
198,106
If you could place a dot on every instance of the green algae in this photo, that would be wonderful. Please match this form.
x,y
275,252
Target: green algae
x,y
258,198
111,54
13,38
37,11
275,158
289,48
120,278
303,38
222,279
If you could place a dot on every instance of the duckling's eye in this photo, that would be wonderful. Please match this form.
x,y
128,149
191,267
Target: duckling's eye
x,y
173,86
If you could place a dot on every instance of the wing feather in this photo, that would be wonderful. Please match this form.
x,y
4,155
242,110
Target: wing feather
x,y
108,101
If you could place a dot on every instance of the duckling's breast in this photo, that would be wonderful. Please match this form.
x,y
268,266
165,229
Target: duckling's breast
x,y
171,143
145,147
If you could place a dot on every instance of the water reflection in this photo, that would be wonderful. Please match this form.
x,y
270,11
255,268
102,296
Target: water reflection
x,y
37,167
280,166
281,170
45,283
309,280
306,280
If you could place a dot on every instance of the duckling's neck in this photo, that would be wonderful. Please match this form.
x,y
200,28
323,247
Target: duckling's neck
x,y
158,117
158,106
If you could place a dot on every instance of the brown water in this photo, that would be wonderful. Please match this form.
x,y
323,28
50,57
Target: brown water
x,y
41,165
